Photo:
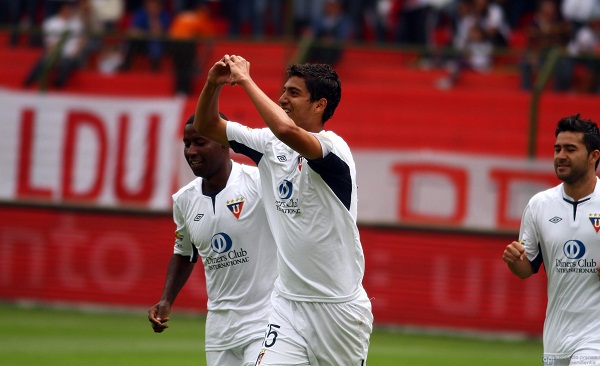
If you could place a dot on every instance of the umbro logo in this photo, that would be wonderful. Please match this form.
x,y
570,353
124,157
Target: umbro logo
x,y
282,158
198,217
555,220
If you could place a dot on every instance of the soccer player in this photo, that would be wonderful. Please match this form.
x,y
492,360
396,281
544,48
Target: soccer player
x,y
561,229
321,315
220,217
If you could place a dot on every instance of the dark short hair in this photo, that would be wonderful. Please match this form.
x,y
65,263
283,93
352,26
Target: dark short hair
x,y
321,82
591,134
191,119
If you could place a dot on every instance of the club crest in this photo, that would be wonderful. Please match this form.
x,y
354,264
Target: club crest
x,y
595,220
236,206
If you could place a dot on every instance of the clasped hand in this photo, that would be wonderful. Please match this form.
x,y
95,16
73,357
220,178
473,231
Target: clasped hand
x,y
231,69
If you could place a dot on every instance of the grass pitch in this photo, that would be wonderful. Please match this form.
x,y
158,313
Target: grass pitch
x,y
42,336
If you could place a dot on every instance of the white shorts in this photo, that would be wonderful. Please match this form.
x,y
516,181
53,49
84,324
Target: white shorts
x,y
317,334
584,357
244,355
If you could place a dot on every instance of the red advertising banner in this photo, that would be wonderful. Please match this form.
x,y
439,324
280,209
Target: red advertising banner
x,y
89,151
415,278
127,153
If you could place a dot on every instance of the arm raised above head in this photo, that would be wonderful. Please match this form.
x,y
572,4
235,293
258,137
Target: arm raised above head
x,y
297,136
207,120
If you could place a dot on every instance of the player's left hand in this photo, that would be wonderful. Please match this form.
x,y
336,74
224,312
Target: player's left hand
x,y
239,68
598,272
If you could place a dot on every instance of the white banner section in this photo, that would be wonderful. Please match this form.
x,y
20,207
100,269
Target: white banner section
x,y
127,153
114,152
445,189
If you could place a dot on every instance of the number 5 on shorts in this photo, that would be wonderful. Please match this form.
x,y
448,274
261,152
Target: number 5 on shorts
x,y
271,336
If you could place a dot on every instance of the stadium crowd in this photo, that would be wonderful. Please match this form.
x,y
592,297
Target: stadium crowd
x,y
458,34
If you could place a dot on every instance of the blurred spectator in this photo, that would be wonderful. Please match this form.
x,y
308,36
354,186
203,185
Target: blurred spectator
x,y
21,17
579,12
465,19
254,15
442,15
109,13
177,6
358,10
547,31
370,16
133,5
63,44
585,49
92,29
51,7
269,13
305,13
328,33
462,19
475,54
147,33
491,19
517,11
412,26
185,35
102,17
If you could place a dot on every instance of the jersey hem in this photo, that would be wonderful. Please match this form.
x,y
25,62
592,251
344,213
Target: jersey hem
x,y
246,340
332,300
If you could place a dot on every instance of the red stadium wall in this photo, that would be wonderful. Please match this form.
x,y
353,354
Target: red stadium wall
x,y
416,278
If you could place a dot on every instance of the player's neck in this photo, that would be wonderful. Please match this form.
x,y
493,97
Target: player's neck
x,y
581,188
215,184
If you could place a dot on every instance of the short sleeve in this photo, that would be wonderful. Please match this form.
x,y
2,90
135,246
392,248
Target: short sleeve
x,y
183,245
326,143
528,234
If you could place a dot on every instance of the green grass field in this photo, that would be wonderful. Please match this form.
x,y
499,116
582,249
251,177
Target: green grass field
x,y
38,336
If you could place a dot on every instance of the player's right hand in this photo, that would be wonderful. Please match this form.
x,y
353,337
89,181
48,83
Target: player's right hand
x,y
514,252
220,74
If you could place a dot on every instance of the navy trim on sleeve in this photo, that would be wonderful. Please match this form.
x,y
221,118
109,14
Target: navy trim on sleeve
x,y
536,263
195,255
336,174
245,150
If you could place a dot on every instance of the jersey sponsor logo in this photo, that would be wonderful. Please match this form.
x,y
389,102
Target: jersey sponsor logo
x,y
574,250
285,189
198,217
221,243
595,220
555,220
236,206
282,158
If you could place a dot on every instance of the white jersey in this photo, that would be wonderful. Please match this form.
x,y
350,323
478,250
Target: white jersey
x,y
311,206
232,235
566,235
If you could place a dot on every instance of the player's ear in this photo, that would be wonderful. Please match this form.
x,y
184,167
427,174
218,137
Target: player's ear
x,y
594,156
320,105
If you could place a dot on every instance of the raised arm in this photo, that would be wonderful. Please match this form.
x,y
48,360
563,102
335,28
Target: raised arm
x,y
207,120
283,127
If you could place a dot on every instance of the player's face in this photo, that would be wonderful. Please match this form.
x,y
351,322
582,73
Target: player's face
x,y
571,159
295,100
204,156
